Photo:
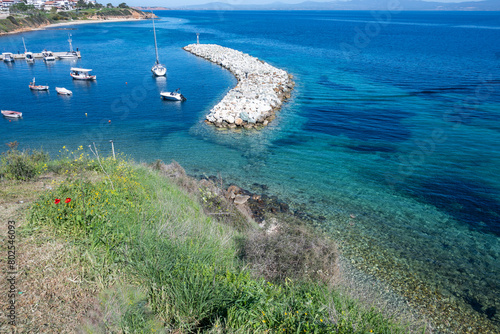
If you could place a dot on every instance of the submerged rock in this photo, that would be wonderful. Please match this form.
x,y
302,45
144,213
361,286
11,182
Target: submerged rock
x,y
261,88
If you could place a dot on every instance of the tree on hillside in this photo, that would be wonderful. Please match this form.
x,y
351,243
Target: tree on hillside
x,y
20,7
109,5
123,5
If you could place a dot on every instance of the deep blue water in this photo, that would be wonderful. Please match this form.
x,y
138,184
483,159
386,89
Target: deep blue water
x,y
394,121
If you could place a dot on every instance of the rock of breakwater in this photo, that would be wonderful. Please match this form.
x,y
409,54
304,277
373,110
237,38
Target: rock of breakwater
x,y
260,91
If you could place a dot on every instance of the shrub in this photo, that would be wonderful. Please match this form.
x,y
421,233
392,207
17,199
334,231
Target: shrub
x,y
22,165
13,20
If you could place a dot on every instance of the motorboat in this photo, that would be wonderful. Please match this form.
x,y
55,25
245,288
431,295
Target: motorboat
x,y
28,55
81,74
7,57
70,54
34,86
173,96
158,69
12,114
48,55
63,91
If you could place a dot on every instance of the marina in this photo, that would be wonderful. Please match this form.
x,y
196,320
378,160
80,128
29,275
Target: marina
x,y
22,56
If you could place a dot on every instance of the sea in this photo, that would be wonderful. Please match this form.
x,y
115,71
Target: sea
x,y
390,142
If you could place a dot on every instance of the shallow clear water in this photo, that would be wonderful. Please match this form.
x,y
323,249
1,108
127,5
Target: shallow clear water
x,y
397,126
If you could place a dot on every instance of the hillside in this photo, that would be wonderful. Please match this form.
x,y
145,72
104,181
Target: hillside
x,y
107,245
19,23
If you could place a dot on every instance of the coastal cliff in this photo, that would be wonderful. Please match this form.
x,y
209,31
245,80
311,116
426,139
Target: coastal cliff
x,y
261,88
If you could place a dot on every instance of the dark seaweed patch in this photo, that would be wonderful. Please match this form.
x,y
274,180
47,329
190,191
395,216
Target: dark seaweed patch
x,y
457,89
466,201
324,81
363,124
371,149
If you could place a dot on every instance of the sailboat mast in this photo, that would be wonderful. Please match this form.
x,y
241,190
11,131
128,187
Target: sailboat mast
x,y
154,32
70,46
24,46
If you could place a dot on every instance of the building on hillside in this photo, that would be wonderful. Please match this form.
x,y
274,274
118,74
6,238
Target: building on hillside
x,y
8,3
48,5
38,4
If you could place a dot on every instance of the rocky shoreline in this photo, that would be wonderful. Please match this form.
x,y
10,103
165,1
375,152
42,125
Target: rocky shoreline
x,y
261,88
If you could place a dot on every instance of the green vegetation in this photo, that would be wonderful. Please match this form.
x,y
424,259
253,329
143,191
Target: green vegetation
x,y
171,254
25,17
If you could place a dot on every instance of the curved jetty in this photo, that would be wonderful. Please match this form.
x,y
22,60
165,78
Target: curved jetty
x,y
261,88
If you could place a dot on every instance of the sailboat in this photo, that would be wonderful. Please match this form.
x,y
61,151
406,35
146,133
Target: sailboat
x,y
70,54
28,55
158,69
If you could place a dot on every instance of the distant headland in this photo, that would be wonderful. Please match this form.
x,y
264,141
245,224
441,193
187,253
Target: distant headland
x,y
402,5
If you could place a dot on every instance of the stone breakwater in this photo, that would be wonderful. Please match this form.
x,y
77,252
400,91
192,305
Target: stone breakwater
x,y
261,88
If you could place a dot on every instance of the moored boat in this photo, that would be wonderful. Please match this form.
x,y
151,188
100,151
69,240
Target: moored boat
x,y
63,91
34,86
70,54
48,55
7,57
12,114
28,55
81,74
158,69
173,96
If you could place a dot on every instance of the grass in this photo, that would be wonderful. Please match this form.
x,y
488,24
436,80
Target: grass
x,y
162,263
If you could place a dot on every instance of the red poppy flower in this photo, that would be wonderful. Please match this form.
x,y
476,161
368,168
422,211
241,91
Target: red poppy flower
x,y
67,200
57,201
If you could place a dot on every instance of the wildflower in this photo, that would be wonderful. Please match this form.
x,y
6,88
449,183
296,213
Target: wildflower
x,y
321,320
67,200
57,201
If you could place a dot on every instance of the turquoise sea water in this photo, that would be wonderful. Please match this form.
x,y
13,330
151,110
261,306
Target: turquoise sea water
x,y
394,121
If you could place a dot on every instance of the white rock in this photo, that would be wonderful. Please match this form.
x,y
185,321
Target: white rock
x,y
255,95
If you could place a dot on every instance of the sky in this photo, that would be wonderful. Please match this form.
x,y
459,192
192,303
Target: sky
x,y
177,3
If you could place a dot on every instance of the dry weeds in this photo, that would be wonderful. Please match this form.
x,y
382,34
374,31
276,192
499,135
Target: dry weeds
x,y
52,296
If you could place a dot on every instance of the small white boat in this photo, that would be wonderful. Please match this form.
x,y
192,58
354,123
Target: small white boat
x,y
34,86
48,55
12,114
7,57
70,54
173,96
81,74
158,69
28,55
63,91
